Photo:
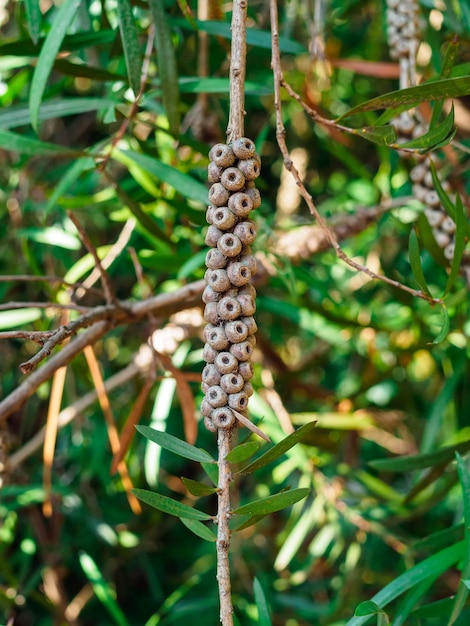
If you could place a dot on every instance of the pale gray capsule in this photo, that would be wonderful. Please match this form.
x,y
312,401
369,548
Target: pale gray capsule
x,y
229,308
204,387
248,389
218,280
222,155
442,239
238,401
247,290
210,213
232,179
246,232
209,295
213,235
223,417
232,383
240,204
206,408
223,218
243,148
214,172
254,196
449,251
209,424
432,199
252,340
229,244
216,396
242,351
250,324
448,226
249,261
226,362
216,337
245,369
218,194
215,260
247,304
434,217
236,331
238,274
250,168
418,172
210,313
211,375
209,354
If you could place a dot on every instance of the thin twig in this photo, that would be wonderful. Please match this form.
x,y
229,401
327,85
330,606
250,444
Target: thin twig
x,y
280,134
224,437
236,122
11,306
12,278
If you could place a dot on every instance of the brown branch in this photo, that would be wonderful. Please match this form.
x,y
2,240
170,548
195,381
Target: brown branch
x,y
288,164
12,278
224,437
11,306
236,122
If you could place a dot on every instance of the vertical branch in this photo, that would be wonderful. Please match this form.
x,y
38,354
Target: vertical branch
x,y
236,126
223,531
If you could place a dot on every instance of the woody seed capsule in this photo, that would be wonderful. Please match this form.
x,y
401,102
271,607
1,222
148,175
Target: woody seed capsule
x,y
228,308
223,218
223,417
246,232
210,313
209,295
238,401
209,354
243,148
215,260
226,363
249,168
209,424
232,179
222,155
217,338
232,383
216,396
218,194
242,351
218,280
254,196
240,204
213,235
214,172
236,331
229,244
210,374
245,369
206,408
238,274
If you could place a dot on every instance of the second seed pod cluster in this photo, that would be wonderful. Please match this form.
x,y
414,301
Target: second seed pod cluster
x,y
229,295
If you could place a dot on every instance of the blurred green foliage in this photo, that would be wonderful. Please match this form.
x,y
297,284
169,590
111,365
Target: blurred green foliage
x,y
357,355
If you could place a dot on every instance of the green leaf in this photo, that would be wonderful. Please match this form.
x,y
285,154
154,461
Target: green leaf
x,y
462,591
444,328
194,262
460,228
34,19
415,262
367,608
24,145
166,65
439,540
381,135
433,138
408,602
189,84
103,590
183,183
18,317
407,98
430,567
244,521
273,503
82,70
22,47
130,42
18,115
279,449
170,506
447,66
261,604
199,529
51,46
212,471
196,488
175,445
443,197
243,451
420,461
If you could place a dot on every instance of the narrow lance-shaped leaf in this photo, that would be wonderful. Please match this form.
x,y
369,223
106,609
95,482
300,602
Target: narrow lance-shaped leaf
x,y
49,50
415,262
420,461
166,65
271,504
444,327
434,137
34,19
199,529
25,145
196,488
170,506
175,445
264,618
447,65
279,449
459,242
381,135
130,42
242,452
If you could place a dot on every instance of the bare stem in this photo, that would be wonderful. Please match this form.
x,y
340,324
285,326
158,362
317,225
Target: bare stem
x,y
236,122
224,437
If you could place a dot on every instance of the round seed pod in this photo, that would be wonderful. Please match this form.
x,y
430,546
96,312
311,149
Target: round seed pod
x,y
240,204
215,260
223,218
238,401
418,172
209,354
245,369
248,389
242,351
238,274
428,181
249,261
232,179
218,194
214,172
232,383
211,375
223,418
243,148
213,235
442,239
204,387
229,244
252,339
236,331
419,192
206,408
229,308
222,155
250,168
254,196
247,304
246,232
434,217
218,280
209,424
210,313
209,295
247,290
449,251
216,396
226,362
250,324
216,337
432,199
448,226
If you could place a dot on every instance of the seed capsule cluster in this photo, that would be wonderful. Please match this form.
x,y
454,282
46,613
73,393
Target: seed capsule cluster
x,y
402,28
229,296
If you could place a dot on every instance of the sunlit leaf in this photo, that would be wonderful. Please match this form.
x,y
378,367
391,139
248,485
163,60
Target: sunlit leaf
x,y
34,147
166,64
279,449
439,540
261,604
18,317
367,608
459,241
444,328
170,506
447,66
220,85
34,19
273,503
130,42
196,488
199,529
51,46
22,47
433,138
175,445
381,135
415,262
243,451
420,461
